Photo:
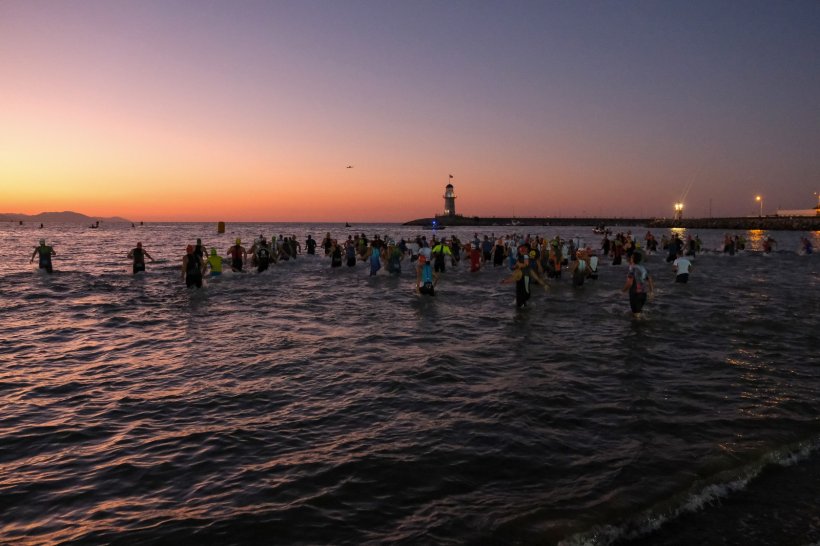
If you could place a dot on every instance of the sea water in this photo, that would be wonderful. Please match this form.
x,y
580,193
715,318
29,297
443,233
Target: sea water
x,y
310,405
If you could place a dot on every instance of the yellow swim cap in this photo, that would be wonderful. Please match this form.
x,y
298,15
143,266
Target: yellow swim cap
x,y
238,241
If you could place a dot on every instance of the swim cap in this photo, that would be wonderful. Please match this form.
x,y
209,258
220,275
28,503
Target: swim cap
x,y
213,252
238,241
532,254
189,249
139,245
422,260
42,242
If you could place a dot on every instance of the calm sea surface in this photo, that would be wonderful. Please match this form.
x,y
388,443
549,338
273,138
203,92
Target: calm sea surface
x,y
306,405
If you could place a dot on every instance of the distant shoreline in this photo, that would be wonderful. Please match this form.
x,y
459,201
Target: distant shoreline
x,y
775,223
64,216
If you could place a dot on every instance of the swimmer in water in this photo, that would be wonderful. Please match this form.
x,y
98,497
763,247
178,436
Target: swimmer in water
x,y
638,284
46,252
199,250
215,263
522,276
374,257
262,252
768,244
683,267
805,246
310,243
192,268
426,279
139,254
238,256
579,268
335,254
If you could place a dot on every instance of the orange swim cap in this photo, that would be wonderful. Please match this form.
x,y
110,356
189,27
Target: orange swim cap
x,y
422,260
189,249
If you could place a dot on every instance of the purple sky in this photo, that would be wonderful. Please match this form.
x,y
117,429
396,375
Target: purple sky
x,y
536,108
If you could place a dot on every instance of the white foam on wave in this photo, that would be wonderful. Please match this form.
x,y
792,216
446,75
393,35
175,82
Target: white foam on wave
x,y
697,498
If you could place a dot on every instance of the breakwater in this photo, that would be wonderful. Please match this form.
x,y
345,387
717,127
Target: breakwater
x,y
795,223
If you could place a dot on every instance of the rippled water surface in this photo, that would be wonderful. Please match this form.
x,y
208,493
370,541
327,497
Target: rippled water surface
x,y
306,405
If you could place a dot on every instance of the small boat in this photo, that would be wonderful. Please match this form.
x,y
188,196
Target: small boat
x,y
347,225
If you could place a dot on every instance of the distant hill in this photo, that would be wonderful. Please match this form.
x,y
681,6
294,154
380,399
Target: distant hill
x,y
65,217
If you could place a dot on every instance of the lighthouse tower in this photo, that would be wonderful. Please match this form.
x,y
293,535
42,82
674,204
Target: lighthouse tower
x,y
449,201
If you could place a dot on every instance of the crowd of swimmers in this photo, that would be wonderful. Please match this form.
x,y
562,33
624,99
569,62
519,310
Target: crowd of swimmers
x,y
531,260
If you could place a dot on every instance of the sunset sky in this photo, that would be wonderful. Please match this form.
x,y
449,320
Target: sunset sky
x,y
222,110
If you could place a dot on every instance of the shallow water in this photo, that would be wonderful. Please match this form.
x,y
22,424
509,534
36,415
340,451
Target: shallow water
x,y
306,405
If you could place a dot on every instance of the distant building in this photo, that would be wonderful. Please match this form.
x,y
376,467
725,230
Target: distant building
x,y
800,212
449,201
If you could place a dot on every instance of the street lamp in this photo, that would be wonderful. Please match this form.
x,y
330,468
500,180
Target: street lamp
x,y
760,200
678,211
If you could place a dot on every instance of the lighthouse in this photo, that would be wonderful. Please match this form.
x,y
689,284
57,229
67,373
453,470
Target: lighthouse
x,y
449,201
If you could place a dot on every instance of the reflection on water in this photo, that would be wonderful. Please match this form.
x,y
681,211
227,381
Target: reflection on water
x,y
324,406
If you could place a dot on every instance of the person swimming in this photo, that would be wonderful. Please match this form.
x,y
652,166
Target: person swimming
x,y
579,268
46,252
262,253
805,246
638,284
522,276
335,254
215,263
375,259
191,268
683,266
426,279
139,254
238,255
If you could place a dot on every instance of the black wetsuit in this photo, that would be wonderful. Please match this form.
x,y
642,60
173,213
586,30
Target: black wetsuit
x,y
438,258
262,258
139,259
336,256
236,258
193,272
498,256
199,252
522,288
45,258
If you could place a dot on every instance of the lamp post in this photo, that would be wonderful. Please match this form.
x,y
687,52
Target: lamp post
x,y
678,211
760,200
